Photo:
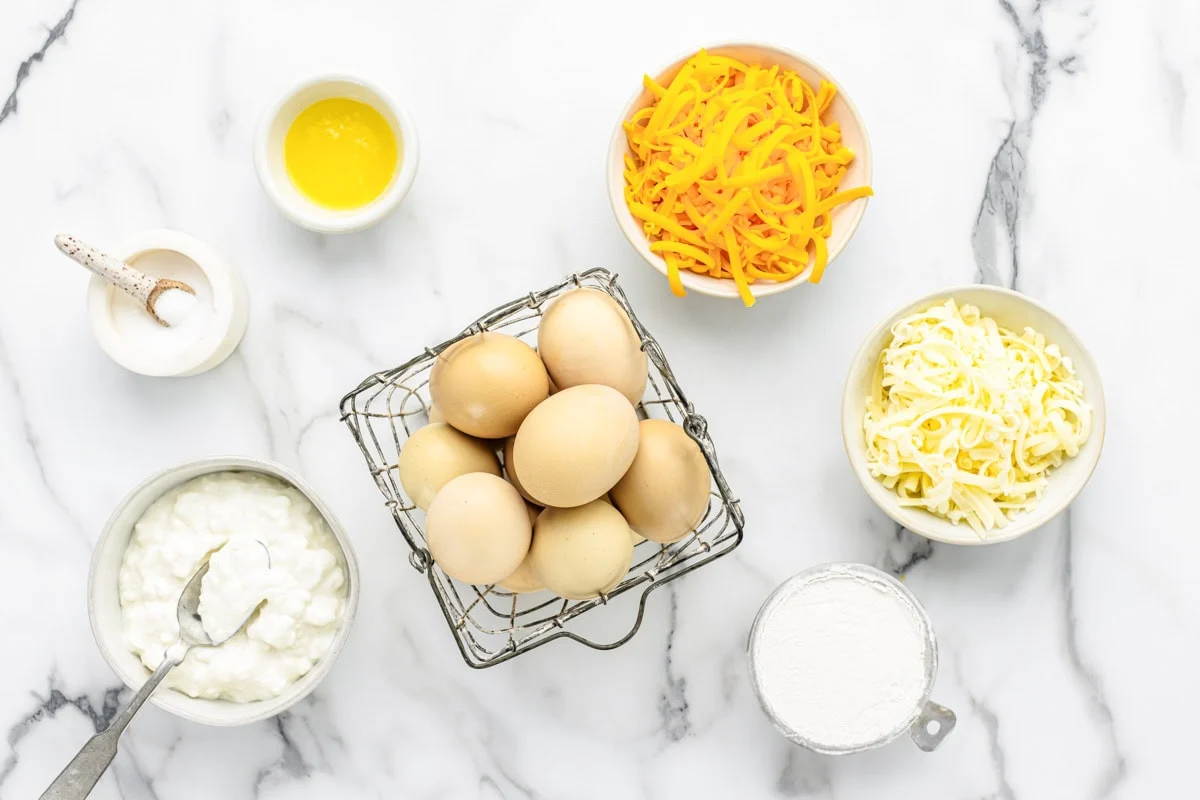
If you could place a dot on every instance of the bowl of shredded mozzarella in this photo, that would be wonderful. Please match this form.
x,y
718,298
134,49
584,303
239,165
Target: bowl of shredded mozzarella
x,y
973,415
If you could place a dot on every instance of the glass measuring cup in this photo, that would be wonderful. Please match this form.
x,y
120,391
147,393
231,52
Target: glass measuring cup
x,y
927,723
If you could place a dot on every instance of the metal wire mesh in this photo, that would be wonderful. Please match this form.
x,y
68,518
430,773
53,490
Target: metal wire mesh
x,y
489,624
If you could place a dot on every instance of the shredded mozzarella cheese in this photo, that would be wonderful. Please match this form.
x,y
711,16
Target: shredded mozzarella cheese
x,y
966,418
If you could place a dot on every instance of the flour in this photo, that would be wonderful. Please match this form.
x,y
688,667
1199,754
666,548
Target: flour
x,y
840,660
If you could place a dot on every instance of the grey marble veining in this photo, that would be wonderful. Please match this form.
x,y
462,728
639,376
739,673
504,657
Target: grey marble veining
x,y
1030,70
1115,772
56,32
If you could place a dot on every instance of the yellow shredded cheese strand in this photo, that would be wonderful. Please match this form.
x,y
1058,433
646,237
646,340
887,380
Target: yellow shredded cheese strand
x,y
682,249
735,266
734,173
966,418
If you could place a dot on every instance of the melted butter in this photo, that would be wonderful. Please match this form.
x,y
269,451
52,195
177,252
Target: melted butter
x,y
341,153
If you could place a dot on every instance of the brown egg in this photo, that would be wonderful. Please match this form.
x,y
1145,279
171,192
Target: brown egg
x,y
634,536
575,446
435,455
580,553
665,493
435,415
585,337
486,384
524,580
510,470
478,529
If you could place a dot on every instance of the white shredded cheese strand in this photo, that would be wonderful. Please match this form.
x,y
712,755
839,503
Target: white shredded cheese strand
x,y
966,418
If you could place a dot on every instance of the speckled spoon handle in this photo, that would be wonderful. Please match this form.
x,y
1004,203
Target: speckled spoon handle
x,y
77,780
138,285
135,283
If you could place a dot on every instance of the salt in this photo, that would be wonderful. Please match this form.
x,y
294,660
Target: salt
x,y
188,316
174,306
840,660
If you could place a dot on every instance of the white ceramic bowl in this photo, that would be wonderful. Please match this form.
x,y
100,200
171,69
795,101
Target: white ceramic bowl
x,y
1010,310
104,607
846,217
231,310
272,173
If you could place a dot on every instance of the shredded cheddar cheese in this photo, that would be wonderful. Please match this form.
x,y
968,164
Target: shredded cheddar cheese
x,y
734,171
966,418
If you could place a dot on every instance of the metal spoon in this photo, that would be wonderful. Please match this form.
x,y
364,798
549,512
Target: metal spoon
x,y
79,777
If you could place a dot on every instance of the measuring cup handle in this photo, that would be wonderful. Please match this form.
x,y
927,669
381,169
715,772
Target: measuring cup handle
x,y
932,726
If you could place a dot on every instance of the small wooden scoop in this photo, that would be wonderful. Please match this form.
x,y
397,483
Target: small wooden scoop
x,y
141,287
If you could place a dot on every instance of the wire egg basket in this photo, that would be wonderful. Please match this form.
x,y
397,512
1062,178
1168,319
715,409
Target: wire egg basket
x,y
492,625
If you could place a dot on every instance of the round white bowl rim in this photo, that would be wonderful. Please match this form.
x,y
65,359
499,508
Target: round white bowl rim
x,y
310,679
701,284
1024,523
229,307
311,216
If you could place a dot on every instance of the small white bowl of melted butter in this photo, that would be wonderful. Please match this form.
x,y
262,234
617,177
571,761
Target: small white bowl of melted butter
x,y
336,153
267,536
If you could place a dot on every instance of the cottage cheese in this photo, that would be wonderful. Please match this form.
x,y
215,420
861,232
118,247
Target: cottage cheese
x,y
267,542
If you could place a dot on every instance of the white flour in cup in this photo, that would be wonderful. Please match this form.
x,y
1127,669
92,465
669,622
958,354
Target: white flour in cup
x,y
840,660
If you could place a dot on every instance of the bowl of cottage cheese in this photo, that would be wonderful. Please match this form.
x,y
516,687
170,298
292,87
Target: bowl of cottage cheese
x,y
272,545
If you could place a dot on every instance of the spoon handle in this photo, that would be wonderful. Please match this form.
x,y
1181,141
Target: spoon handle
x,y
79,777
135,283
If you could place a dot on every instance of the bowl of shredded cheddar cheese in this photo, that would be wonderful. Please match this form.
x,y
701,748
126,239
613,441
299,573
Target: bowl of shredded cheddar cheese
x,y
973,415
739,171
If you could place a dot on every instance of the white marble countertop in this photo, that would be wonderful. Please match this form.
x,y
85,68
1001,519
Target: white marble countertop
x,y
1050,146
